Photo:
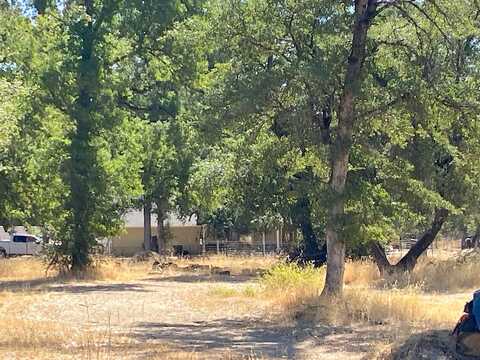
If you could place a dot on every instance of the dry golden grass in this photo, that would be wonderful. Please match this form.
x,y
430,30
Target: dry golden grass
x,y
236,264
446,275
431,297
436,274
406,307
23,268
23,335
111,269
120,269
361,273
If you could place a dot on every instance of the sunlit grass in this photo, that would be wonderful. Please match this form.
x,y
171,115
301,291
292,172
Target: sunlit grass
x,y
237,264
431,297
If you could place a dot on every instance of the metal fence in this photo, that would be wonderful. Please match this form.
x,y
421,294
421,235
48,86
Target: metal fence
x,y
225,247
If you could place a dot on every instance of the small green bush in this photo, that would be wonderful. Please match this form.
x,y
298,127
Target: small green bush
x,y
287,276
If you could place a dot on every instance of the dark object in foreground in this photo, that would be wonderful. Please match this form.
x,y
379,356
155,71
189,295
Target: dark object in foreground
x,y
466,332
468,344
429,345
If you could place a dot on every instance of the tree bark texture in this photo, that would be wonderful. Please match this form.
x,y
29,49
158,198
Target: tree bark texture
x,y
408,262
340,149
161,246
147,226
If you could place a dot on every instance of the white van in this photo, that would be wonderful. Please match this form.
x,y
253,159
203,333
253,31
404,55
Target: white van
x,y
20,244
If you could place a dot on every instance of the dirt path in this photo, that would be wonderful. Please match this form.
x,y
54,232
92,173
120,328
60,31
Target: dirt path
x,y
181,311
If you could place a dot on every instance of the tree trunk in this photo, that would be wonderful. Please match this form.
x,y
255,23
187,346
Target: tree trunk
x,y
380,258
147,226
82,164
310,251
161,246
408,262
364,13
476,237
310,243
204,239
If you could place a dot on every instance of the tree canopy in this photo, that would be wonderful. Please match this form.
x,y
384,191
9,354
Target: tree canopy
x,y
352,122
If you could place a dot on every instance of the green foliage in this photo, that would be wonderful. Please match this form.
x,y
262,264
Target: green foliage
x,y
277,74
77,166
229,110
287,276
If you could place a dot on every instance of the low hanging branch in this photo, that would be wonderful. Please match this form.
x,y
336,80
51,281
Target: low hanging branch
x,y
408,262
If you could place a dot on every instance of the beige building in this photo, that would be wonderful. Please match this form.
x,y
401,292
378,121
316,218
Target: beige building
x,y
187,237
182,235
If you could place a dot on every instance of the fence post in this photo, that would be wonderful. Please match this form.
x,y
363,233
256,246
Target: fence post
x,y
277,235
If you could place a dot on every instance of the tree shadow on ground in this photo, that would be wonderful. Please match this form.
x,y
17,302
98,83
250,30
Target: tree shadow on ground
x,y
260,339
194,278
221,335
432,344
358,339
21,285
59,284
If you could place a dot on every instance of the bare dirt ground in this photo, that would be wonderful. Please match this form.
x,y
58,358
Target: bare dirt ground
x,y
186,310
178,310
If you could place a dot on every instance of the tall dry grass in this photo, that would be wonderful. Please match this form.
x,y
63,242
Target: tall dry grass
x,y
406,307
24,268
430,297
237,264
29,269
433,275
112,269
24,335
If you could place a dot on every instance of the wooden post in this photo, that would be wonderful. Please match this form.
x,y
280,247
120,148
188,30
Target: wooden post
x,y
263,243
277,235
216,240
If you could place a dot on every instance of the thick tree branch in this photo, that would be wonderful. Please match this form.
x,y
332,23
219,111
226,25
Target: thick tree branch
x,y
322,118
380,257
407,263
